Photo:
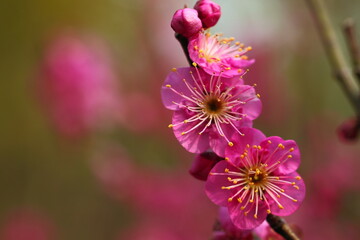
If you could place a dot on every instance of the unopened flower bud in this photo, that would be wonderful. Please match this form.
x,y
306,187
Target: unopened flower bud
x,y
202,165
348,130
186,22
209,12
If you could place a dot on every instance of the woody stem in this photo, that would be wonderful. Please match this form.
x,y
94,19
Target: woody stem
x,y
281,227
334,52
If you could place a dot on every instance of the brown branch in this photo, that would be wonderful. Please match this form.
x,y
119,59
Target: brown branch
x,y
333,49
350,34
184,42
281,227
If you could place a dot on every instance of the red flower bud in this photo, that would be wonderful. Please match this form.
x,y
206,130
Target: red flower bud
x,y
202,165
209,12
348,130
186,22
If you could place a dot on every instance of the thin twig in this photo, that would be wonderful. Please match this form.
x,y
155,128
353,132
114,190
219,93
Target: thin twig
x,y
184,44
350,34
334,52
281,227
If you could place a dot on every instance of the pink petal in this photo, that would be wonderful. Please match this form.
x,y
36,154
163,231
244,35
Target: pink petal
x,y
214,184
288,165
252,108
249,221
175,80
251,136
289,205
192,141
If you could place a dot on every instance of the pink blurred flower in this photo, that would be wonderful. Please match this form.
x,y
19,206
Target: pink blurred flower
x,y
208,109
186,22
141,121
218,56
77,85
348,131
209,12
265,232
262,178
157,196
227,230
26,225
203,163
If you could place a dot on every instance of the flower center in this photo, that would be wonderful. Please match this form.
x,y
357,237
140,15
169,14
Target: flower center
x,y
257,177
214,106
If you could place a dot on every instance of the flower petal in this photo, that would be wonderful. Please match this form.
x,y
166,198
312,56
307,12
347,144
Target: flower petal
x,y
175,81
245,219
296,191
251,136
214,184
191,141
285,151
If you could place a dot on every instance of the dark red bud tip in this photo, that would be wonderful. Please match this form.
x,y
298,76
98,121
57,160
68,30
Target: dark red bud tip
x,y
348,131
186,22
209,12
202,165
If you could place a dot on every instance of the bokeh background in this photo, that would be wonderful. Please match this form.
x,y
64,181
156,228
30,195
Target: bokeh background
x,y
112,169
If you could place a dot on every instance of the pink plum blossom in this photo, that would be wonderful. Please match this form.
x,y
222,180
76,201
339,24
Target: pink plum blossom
x,y
77,85
174,211
257,177
209,12
218,55
208,109
227,230
186,22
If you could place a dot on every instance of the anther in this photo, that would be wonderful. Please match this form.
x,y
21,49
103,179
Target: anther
x,y
194,64
298,178
255,216
258,95
230,144
268,211
289,156
168,85
281,146
280,206
226,170
170,125
269,141
291,149
183,133
174,69
227,159
230,199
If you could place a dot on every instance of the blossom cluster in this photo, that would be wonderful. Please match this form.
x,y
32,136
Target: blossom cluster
x,y
248,174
